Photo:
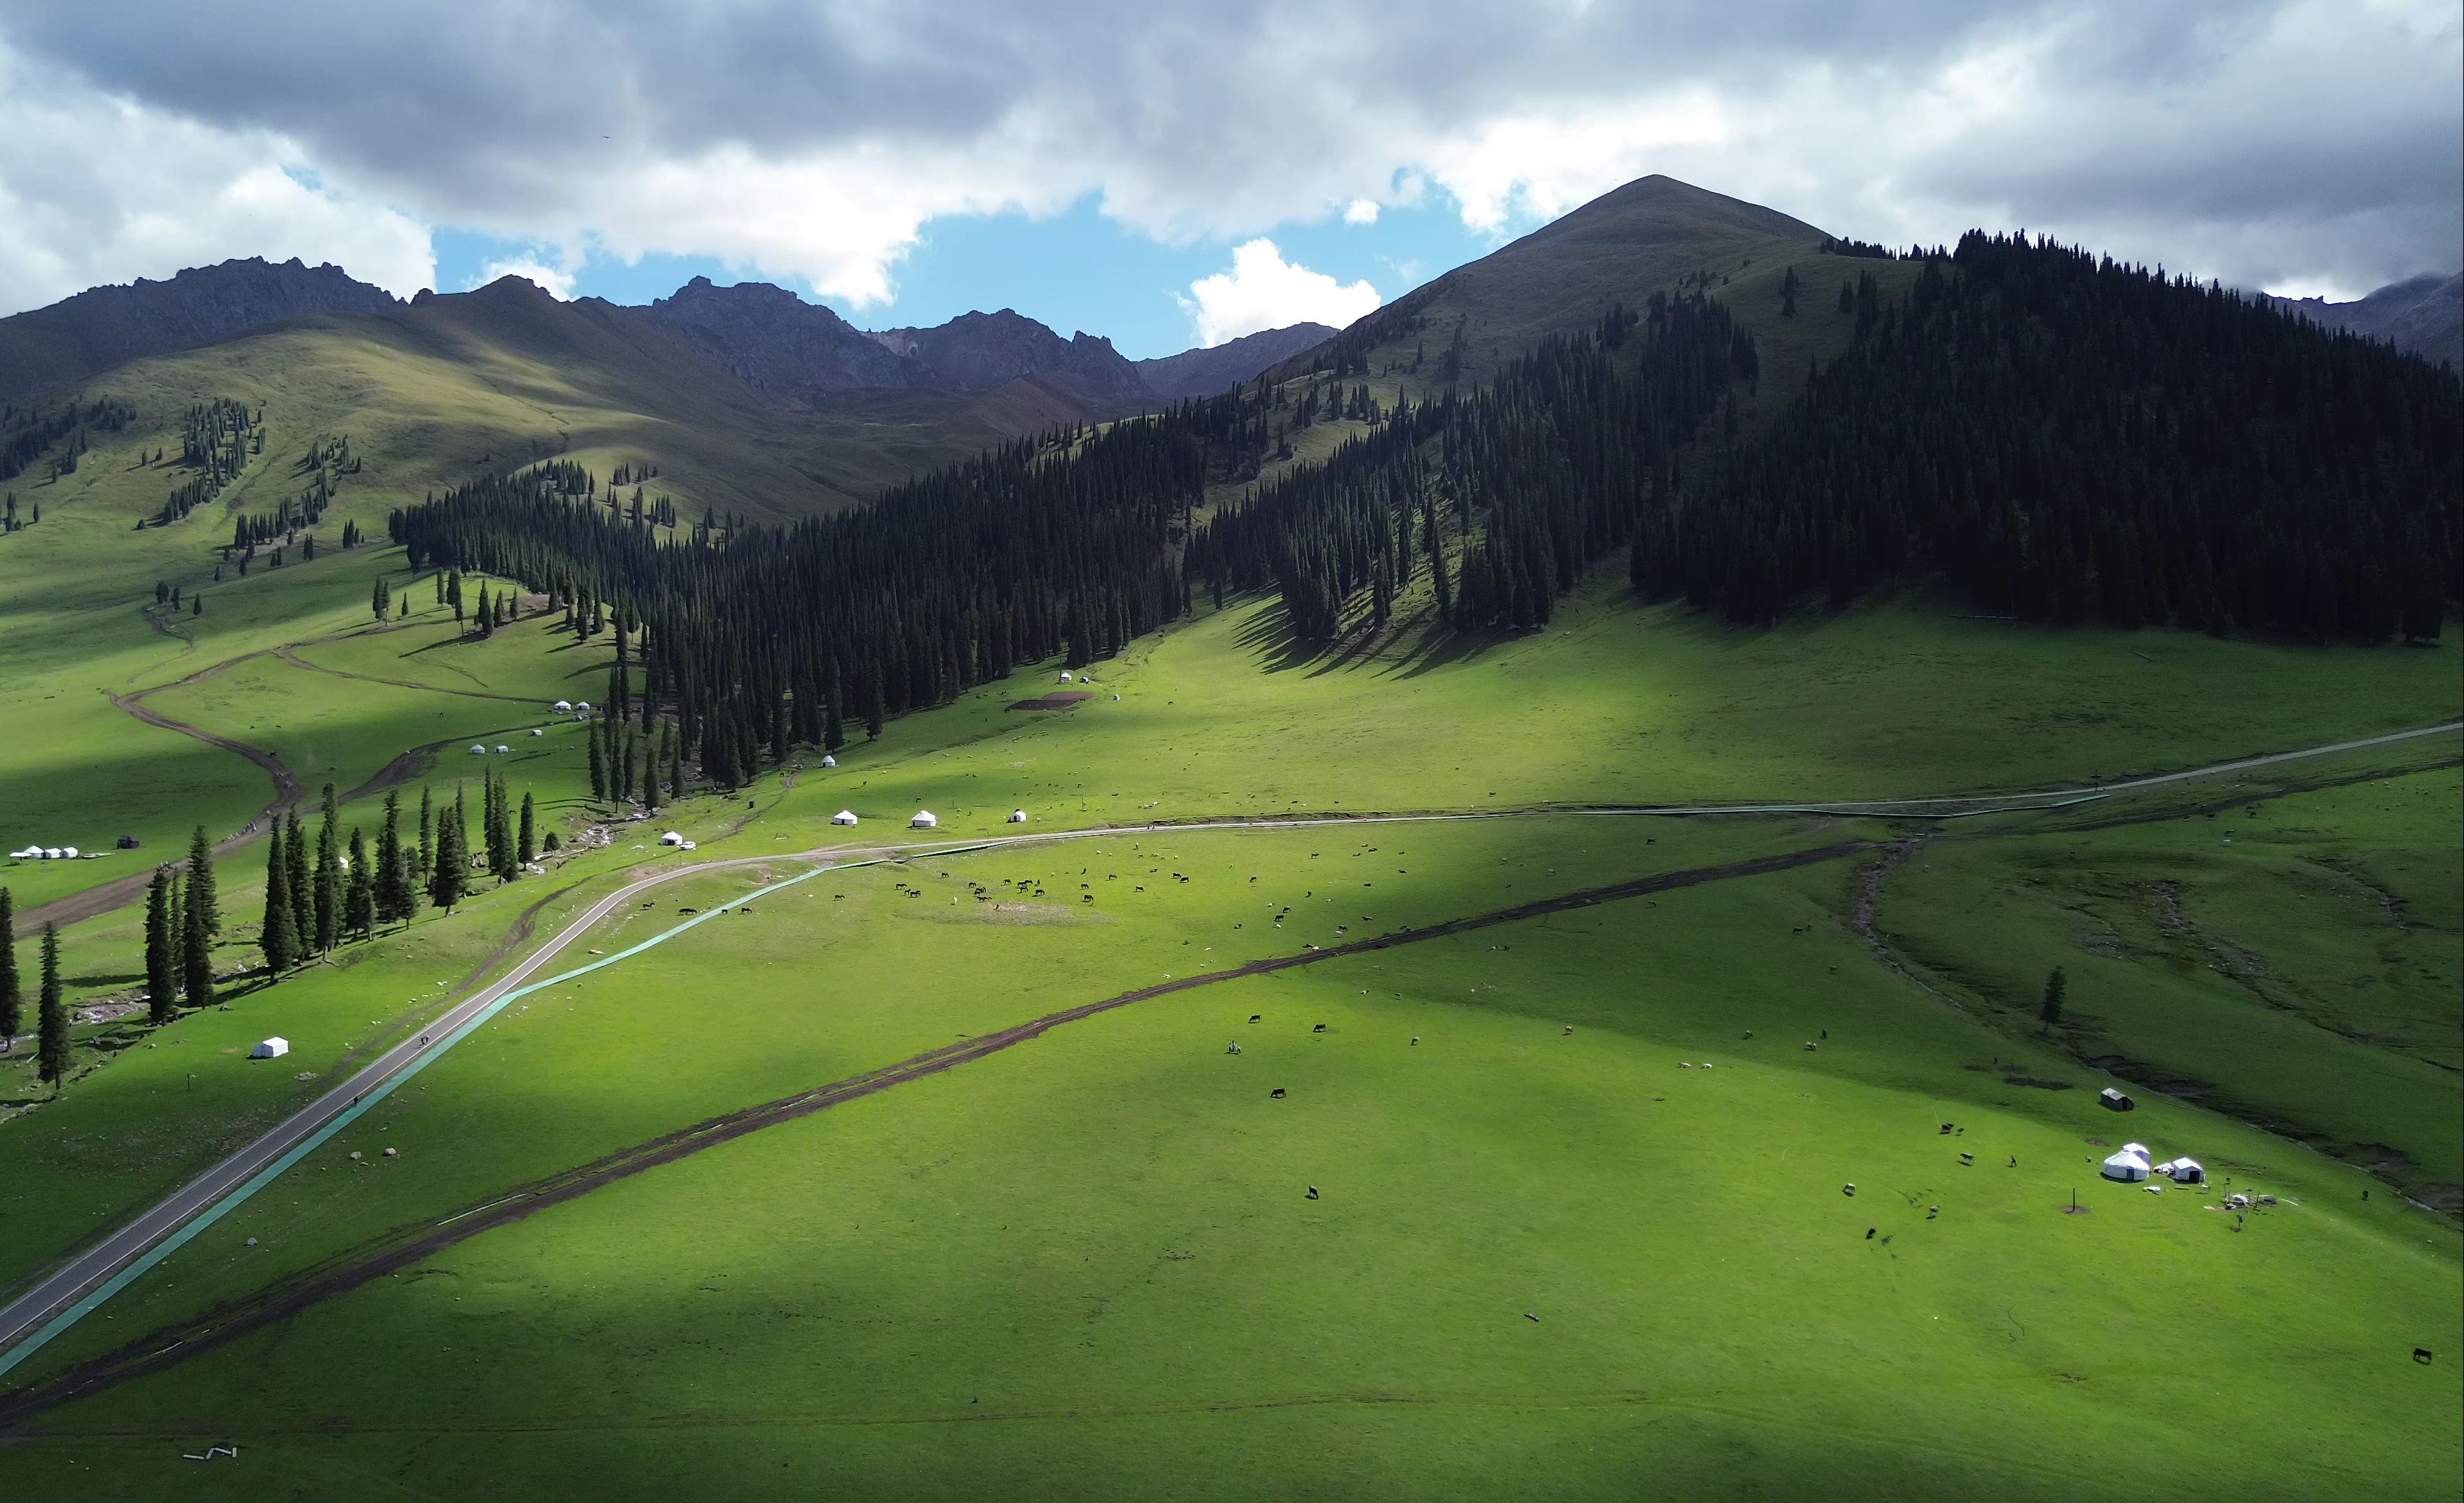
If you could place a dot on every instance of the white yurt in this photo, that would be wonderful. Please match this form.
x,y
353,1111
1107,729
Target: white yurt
x,y
1018,816
564,705
2127,1165
270,1049
671,837
477,750
923,820
53,853
844,817
583,706
70,851
2188,1171
830,761
537,731
1066,677
503,750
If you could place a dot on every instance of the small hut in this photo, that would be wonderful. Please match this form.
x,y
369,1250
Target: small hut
x,y
671,837
2113,1101
1018,816
830,761
2187,1171
477,750
844,817
924,820
565,705
270,1049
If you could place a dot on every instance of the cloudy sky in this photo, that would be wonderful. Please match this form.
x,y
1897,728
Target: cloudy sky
x,y
1177,174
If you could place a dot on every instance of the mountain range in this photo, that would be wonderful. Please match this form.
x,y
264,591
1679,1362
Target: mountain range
x,y
2422,315
773,341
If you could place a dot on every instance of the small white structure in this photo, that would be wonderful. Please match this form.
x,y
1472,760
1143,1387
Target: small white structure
x,y
477,750
844,817
70,851
30,853
564,705
2129,1166
2187,1171
270,1049
923,820
830,761
502,751
583,706
686,846
1066,677
671,837
537,731
53,853
1018,816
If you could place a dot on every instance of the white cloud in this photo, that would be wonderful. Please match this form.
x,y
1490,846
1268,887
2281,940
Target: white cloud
x,y
1361,212
2285,142
96,189
1263,290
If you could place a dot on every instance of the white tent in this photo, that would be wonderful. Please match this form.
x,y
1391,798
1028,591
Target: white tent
x,y
923,820
31,851
2188,1171
565,704
671,837
1066,677
477,750
1018,816
537,731
51,853
2127,1166
503,750
830,761
69,851
583,706
842,817
270,1049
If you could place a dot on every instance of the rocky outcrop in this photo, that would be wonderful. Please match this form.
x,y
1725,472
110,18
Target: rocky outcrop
x,y
776,343
109,326
981,351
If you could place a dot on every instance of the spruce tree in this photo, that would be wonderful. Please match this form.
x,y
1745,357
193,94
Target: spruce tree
x,y
12,1005
393,900
427,833
161,965
2056,989
196,952
201,882
528,849
360,896
51,1024
445,879
329,877
303,890
279,937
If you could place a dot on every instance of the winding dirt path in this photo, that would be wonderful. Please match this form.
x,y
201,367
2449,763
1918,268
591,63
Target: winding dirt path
x,y
406,1246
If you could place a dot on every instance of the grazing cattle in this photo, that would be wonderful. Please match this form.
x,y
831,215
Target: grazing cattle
x,y
1932,1211
1869,1232
1945,1129
1277,1094
1233,1048
1416,1038
1320,1028
1849,1188
1570,1028
1967,1158
1808,1046
2421,1354
1253,1017
1312,1192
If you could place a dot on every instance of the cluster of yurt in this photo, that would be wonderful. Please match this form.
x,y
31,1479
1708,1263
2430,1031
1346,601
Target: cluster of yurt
x,y
45,853
2131,1166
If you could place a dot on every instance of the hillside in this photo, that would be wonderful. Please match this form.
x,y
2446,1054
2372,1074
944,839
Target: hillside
x,y
108,326
1210,369
2421,316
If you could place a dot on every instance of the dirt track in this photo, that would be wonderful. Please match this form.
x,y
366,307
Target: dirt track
x,y
406,1246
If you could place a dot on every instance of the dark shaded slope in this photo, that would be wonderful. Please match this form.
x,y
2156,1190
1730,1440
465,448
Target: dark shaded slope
x,y
2421,316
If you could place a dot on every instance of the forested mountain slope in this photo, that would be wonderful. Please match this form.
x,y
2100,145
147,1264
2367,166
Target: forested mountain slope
x,y
2044,433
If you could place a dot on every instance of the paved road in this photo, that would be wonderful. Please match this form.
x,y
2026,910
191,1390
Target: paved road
x,y
91,1268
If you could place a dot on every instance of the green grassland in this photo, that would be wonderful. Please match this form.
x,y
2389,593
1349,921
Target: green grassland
x,y
2294,961
1089,1260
